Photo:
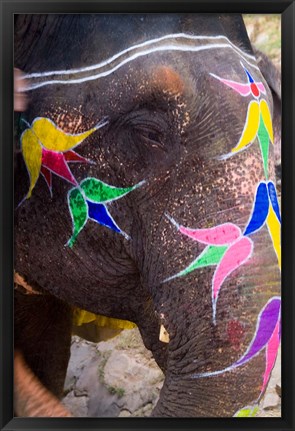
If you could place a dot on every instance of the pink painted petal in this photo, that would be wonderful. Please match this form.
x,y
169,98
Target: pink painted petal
x,y
48,177
261,87
271,354
236,255
72,156
223,234
243,89
56,163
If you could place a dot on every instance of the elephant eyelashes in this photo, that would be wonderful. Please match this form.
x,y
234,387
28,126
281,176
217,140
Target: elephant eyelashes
x,y
151,137
148,127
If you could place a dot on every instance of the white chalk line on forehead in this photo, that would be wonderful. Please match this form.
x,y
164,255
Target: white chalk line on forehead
x,y
141,45
127,59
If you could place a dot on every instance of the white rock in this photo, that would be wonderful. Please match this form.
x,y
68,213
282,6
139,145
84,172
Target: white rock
x,y
77,405
271,400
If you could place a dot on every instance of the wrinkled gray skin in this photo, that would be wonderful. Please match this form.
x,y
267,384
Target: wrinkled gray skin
x,y
169,121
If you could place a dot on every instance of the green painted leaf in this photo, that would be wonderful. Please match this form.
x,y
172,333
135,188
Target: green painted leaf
x,y
100,192
263,138
79,213
211,255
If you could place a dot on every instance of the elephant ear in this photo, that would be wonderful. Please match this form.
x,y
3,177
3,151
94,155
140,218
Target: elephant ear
x,y
79,213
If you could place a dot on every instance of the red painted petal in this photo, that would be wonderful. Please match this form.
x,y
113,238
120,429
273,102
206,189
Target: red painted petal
x,y
72,156
56,163
254,89
47,176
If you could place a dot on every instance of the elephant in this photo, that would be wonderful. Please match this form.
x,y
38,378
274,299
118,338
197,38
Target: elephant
x,y
145,191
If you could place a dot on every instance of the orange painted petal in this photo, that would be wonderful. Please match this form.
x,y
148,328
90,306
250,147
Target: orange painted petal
x,y
32,154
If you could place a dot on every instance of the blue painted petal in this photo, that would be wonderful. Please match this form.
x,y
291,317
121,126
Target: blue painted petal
x,y
251,80
260,210
99,213
274,199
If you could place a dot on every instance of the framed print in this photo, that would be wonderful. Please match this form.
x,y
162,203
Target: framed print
x,y
147,215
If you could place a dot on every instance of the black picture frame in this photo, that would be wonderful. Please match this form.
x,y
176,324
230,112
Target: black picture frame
x,y
8,8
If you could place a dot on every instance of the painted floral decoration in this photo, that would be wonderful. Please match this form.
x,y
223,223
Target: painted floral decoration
x,y
227,247
267,336
258,121
266,210
90,201
47,149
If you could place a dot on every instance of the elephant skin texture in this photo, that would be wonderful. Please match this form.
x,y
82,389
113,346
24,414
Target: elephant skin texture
x,y
145,191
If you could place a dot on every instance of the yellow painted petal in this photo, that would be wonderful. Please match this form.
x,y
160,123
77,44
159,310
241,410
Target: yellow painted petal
x,y
251,126
274,227
265,112
53,138
32,154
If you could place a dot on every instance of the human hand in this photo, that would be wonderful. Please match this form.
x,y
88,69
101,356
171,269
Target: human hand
x,y
20,97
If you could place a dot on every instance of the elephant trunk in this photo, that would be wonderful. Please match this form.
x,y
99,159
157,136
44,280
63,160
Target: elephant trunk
x,y
221,350
216,396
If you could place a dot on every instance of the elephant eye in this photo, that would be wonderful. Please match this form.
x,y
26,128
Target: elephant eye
x,y
150,136
149,128
144,137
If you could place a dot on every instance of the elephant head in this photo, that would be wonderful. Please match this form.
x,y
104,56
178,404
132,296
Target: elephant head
x,y
145,191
